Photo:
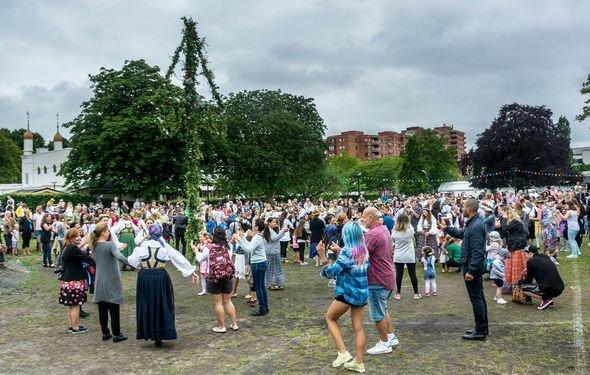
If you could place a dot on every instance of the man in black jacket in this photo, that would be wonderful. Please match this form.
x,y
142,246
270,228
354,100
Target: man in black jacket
x,y
540,267
473,255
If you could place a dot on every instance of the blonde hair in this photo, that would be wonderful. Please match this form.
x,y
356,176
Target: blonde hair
x,y
99,229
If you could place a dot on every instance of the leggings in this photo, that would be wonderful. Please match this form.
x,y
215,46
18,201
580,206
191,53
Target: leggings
x,y
399,275
104,309
284,246
430,285
301,251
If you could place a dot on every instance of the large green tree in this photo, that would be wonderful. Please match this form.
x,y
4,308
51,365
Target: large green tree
x,y
126,137
585,90
10,160
275,144
523,147
425,162
379,174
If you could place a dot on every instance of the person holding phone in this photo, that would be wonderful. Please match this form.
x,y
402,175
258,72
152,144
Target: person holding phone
x,y
473,255
351,292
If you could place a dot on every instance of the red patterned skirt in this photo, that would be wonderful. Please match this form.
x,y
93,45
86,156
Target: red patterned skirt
x,y
72,293
515,265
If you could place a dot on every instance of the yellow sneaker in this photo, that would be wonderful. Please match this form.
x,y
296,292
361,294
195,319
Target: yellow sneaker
x,y
353,366
342,358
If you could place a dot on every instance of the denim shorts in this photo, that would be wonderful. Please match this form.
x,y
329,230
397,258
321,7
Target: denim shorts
x,y
378,300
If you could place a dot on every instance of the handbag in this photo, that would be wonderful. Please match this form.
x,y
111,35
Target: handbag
x,y
295,244
518,296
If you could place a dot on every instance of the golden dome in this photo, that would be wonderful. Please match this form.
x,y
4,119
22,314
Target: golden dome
x,y
28,134
58,138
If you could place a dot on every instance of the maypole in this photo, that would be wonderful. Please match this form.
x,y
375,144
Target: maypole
x,y
194,115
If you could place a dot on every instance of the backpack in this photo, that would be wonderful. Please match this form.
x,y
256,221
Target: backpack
x,y
220,265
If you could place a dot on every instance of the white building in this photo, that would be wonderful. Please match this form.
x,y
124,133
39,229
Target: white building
x,y
39,169
581,155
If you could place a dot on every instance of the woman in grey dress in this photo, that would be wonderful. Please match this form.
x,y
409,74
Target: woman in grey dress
x,y
108,290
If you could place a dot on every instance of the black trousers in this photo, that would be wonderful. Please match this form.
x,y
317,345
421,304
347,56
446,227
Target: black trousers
x,y
182,240
284,246
478,302
301,252
399,275
104,309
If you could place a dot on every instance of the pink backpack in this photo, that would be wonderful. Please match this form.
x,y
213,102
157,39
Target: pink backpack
x,y
220,265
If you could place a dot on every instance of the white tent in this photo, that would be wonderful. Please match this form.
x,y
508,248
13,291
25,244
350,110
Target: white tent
x,y
458,188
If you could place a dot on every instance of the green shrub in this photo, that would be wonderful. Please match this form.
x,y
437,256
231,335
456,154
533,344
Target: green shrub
x,y
33,200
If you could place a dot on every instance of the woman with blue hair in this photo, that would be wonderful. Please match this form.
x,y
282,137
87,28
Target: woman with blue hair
x,y
351,292
155,295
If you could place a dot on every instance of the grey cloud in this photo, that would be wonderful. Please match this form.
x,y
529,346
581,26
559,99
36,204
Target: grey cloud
x,y
369,65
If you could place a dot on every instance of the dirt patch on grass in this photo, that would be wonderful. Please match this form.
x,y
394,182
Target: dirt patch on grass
x,y
293,339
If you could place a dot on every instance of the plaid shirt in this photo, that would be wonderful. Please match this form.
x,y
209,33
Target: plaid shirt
x,y
351,282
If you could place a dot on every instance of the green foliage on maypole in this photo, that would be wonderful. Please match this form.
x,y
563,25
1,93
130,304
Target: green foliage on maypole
x,y
196,117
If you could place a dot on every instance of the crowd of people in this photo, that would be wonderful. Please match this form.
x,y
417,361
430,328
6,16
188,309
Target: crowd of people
x,y
363,248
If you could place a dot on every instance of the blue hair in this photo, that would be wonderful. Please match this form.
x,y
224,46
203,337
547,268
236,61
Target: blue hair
x,y
354,239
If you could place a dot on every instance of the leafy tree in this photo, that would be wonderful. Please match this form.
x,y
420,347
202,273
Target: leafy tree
x,y
17,135
585,90
126,136
10,160
425,162
379,174
276,144
522,138
345,168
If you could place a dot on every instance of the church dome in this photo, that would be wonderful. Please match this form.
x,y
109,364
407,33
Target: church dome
x,y
28,134
58,138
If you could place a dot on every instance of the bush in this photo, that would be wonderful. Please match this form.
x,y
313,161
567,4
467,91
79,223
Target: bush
x,y
33,200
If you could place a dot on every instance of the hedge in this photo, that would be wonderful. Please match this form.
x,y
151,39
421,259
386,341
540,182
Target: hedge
x,y
33,200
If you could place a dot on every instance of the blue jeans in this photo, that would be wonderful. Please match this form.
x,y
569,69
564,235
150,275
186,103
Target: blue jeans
x,y
571,238
47,253
258,273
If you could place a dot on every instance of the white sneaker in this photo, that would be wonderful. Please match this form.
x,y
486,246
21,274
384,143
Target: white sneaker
x,y
341,359
380,348
393,341
572,256
495,298
501,301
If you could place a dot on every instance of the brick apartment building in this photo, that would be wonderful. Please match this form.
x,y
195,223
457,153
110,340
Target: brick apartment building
x,y
387,143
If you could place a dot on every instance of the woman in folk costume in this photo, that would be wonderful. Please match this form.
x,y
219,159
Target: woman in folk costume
x,y
126,230
155,295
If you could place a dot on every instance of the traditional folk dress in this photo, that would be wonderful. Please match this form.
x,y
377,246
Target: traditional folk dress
x,y
125,230
155,294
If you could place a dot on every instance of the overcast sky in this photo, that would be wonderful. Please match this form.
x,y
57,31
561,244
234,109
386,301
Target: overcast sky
x,y
370,65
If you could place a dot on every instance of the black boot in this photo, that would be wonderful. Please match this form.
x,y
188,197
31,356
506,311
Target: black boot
x,y
158,343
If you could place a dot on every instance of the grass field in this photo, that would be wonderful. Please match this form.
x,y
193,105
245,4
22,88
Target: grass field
x,y
293,339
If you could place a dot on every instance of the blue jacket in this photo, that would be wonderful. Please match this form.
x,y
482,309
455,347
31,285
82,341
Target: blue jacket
x,y
473,246
351,282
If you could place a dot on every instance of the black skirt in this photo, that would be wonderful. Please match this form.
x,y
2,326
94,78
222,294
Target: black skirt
x,y
155,305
